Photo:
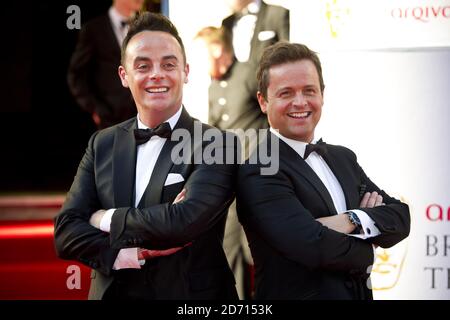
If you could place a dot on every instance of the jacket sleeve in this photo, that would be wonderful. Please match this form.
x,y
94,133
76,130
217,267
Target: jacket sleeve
x,y
392,219
75,238
269,207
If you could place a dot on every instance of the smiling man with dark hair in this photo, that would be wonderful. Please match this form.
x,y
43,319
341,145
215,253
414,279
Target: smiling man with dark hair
x,y
149,227
312,226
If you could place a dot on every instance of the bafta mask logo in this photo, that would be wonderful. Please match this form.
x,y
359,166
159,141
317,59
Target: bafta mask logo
x,y
337,13
388,266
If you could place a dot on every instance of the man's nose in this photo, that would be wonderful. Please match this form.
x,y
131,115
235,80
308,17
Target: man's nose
x,y
156,74
300,99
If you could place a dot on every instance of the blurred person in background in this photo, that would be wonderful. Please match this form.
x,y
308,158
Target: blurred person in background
x,y
232,105
92,74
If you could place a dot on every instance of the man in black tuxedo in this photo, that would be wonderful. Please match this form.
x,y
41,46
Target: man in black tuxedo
x,y
156,239
312,225
92,74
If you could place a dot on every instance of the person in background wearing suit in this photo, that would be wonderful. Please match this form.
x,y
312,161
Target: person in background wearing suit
x,y
232,105
253,26
232,92
92,74
150,226
312,226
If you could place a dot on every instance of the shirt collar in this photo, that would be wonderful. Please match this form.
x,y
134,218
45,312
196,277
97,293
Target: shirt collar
x,y
298,146
172,120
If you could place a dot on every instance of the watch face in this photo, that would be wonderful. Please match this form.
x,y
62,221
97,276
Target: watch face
x,y
354,219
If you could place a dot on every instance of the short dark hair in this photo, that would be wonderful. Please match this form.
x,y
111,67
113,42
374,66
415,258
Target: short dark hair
x,y
149,21
280,53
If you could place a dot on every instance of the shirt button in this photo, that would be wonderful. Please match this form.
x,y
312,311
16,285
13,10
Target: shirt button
x,y
225,117
223,84
222,101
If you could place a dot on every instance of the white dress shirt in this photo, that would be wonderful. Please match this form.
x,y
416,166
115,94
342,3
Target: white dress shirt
x,y
116,19
147,154
323,171
243,31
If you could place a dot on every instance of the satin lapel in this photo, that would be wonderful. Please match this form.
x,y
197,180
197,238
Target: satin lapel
x,y
301,167
336,165
153,192
124,165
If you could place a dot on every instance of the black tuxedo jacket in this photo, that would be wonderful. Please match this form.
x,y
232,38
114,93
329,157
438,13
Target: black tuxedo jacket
x,y
295,256
272,25
93,77
105,179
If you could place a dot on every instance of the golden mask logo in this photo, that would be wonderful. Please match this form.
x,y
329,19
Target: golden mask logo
x,y
389,264
337,13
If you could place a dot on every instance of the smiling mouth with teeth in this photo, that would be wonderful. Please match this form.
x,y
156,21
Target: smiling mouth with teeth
x,y
157,90
300,115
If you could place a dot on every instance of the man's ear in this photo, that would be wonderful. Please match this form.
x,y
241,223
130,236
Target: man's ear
x,y
186,72
262,102
123,76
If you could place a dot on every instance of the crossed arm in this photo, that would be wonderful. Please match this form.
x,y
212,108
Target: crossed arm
x,y
269,207
210,190
127,258
341,222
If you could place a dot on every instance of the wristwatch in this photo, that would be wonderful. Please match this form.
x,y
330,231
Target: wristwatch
x,y
353,217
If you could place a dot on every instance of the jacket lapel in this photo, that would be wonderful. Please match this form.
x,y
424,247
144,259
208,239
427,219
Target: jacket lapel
x,y
153,192
295,161
339,166
124,164
259,26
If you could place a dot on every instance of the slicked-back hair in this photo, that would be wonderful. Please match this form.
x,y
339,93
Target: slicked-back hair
x,y
149,21
280,53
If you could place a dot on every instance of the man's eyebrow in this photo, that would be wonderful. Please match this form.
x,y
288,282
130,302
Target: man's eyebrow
x,y
170,57
283,88
139,59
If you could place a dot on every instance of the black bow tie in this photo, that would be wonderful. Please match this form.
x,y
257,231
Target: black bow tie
x,y
320,147
143,135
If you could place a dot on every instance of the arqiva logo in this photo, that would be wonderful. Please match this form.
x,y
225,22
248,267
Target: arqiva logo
x,y
422,14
